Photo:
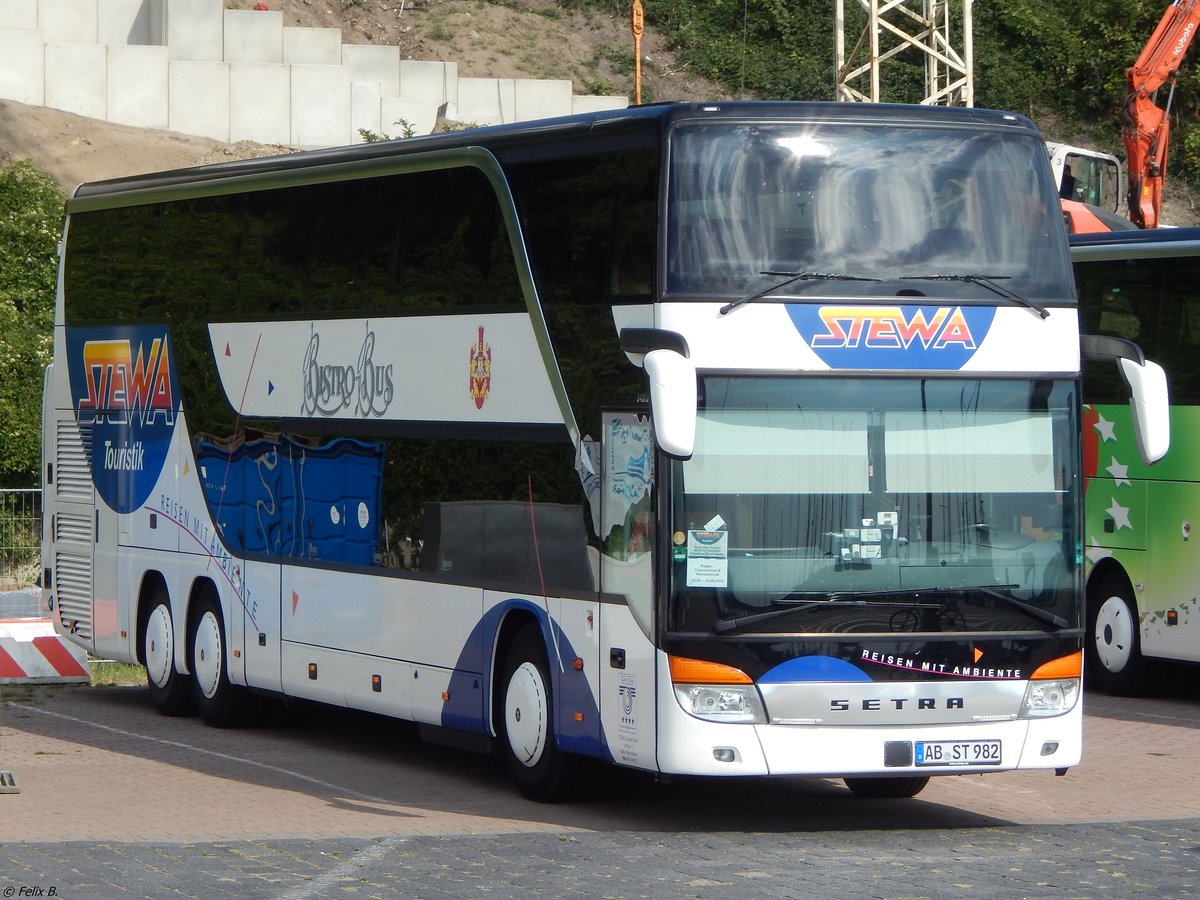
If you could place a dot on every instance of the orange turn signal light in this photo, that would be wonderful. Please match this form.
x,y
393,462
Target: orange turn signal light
x,y
700,671
1063,667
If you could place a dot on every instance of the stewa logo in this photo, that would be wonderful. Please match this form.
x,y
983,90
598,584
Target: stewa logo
x,y
330,389
124,387
893,337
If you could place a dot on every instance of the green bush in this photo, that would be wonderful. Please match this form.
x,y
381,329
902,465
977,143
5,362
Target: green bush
x,y
31,209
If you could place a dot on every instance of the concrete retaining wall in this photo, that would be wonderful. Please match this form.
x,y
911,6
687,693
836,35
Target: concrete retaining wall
x,y
198,68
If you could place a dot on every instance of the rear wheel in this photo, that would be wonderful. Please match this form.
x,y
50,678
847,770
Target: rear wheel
x,y
541,770
1114,647
887,788
220,703
168,689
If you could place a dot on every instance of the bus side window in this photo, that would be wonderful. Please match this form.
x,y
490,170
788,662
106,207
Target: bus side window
x,y
590,226
1181,285
1108,303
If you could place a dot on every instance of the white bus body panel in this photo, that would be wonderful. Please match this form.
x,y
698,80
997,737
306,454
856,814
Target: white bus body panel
x,y
627,693
770,336
412,368
329,615
263,646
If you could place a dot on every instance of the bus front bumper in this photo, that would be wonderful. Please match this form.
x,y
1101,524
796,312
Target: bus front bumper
x,y
693,746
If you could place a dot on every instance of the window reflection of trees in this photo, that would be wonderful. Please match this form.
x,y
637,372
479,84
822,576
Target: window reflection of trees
x,y
406,242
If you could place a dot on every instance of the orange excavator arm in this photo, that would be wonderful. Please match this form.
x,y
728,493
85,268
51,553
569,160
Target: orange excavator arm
x,y
1146,125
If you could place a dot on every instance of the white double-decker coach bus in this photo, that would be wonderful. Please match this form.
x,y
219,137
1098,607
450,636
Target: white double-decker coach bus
x,y
732,439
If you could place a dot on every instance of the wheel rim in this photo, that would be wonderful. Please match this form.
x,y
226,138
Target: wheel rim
x,y
525,714
1114,634
206,655
160,650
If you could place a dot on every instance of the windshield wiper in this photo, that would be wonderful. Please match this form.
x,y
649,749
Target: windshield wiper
x,y
1002,592
723,625
828,598
808,601
792,278
989,282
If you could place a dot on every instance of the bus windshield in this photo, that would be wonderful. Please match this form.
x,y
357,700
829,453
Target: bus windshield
x,y
863,505
869,205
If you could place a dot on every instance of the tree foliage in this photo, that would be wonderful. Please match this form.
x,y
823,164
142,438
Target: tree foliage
x,y
31,208
1064,60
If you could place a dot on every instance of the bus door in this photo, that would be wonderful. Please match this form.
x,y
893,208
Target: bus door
x,y
627,532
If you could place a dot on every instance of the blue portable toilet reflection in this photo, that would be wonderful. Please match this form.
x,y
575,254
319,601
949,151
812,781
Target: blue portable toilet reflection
x,y
283,497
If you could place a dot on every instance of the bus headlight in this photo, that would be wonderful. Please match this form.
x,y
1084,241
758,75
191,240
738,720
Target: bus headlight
x,y
1050,698
716,692
721,702
1053,687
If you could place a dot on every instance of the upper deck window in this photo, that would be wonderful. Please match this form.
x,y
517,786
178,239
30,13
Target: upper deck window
x,y
874,202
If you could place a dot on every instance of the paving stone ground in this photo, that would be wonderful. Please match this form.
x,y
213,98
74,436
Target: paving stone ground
x,y
117,802
1136,859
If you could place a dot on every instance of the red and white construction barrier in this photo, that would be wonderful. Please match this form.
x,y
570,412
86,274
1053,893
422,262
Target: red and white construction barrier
x,y
32,653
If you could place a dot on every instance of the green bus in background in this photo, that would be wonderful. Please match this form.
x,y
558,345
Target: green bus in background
x,y
1143,557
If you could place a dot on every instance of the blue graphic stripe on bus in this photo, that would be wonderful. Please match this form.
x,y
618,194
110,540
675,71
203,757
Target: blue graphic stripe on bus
x,y
893,337
471,685
123,385
813,668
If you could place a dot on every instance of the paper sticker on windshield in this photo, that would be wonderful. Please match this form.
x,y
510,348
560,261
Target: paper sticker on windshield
x,y
708,559
893,337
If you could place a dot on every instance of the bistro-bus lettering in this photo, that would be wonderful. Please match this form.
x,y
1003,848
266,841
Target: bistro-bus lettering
x,y
329,389
890,328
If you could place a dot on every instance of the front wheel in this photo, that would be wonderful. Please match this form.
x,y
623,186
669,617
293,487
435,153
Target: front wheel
x,y
887,788
220,703
541,770
1114,648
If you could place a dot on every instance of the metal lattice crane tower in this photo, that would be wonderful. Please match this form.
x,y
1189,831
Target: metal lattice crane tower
x,y
894,27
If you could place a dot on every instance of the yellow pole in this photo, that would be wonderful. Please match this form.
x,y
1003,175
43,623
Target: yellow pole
x,y
638,25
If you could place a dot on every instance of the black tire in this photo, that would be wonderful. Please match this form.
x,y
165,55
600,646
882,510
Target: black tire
x,y
169,690
1114,647
884,788
220,704
525,725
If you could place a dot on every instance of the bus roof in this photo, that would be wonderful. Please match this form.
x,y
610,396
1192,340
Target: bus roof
x,y
653,118
1133,244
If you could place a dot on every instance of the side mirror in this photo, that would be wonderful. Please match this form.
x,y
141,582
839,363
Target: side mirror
x,y
1150,407
672,400
1149,402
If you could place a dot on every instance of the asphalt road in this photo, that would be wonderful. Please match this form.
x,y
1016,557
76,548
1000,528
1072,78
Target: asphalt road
x,y
116,801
